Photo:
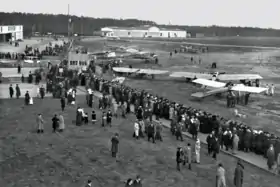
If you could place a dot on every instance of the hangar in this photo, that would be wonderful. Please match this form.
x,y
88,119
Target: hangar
x,y
145,31
11,33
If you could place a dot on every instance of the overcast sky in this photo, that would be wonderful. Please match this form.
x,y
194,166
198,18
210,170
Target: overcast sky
x,y
255,13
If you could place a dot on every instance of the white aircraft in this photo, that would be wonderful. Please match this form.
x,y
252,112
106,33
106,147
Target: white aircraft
x,y
139,72
215,76
220,87
119,80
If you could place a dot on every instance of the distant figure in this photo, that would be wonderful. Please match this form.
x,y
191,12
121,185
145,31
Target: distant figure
x,y
27,98
115,145
40,124
270,157
18,93
19,69
11,91
214,65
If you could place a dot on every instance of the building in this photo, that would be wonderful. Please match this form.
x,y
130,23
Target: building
x,y
142,32
78,61
11,33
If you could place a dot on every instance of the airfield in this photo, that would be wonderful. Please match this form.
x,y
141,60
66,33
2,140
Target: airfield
x,y
262,111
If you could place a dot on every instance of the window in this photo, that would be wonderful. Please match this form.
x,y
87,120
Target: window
x,y
128,33
160,34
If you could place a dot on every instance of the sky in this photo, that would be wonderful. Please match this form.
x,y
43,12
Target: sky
x,y
251,13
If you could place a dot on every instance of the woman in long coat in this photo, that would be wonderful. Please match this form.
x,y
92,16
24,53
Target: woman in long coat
x,y
238,175
235,143
40,124
61,123
270,157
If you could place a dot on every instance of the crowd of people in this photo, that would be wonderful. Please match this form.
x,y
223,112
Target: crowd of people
x,y
223,133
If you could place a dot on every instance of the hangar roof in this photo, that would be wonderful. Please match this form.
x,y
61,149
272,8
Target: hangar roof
x,y
141,28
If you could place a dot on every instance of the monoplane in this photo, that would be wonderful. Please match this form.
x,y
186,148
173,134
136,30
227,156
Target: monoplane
x,y
138,72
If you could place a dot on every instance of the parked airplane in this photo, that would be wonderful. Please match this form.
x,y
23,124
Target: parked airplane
x,y
119,80
220,87
215,76
138,72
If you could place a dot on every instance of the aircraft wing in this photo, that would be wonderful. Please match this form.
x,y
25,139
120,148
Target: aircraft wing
x,y
152,71
231,77
125,70
191,75
119,79
250,89
213,84
209,93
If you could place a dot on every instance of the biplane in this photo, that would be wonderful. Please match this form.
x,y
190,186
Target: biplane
x,y
138,72
217,87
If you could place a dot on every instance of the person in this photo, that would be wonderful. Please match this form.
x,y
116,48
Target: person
x,y
104,117
85,118
11,91
55,121
40,124
197,150
115,145
179,157
136,129
158,131
272,90
210,138
42,92
88,183
188,155
151,132
61,123
137,182
19,69
270,157
62,103
238,174
278,164
18,93
109,118
220,178
235,143
27,98
93,117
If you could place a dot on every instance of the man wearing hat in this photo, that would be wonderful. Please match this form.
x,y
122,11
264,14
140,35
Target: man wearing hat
x,y
238,174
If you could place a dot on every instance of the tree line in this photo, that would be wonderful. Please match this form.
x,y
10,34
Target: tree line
x,y
58,24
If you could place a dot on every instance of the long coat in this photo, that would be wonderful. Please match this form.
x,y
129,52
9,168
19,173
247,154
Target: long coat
x,y
235,143
115,144
270,157
238,176
61,122
40,123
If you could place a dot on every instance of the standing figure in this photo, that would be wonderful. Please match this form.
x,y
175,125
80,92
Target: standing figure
x,y
115,145
238,174
197,150
40,124
18,93
220,178
27,98
109,118
93,117
136,129
55,123
61,123
11,91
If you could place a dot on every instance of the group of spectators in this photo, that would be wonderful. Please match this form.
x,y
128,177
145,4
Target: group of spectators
x,y
228,133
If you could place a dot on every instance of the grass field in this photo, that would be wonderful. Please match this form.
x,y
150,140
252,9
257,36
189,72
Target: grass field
x,y
235,40
262,111
82,153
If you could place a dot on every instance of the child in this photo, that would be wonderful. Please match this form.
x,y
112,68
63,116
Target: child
x,y
93,117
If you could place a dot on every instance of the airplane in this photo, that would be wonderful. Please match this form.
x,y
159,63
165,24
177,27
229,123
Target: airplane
x,y
119,80
222,76
138,72
220,87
